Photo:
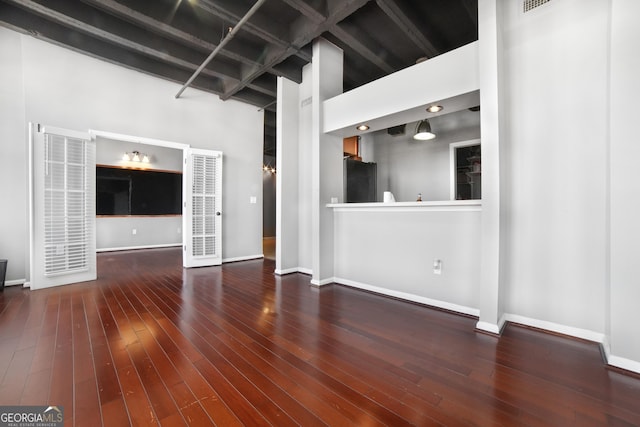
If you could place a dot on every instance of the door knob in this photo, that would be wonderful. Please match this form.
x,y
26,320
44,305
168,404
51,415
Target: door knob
x,y
218,214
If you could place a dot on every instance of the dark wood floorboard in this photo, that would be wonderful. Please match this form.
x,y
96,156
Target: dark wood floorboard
x,y
150,343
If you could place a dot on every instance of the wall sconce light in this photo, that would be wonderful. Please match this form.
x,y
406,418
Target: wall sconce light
x,y
268,169
135,156
423,131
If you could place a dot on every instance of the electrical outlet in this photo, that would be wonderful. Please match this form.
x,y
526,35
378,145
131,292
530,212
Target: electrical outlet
x,y
134,231
437,266
253,199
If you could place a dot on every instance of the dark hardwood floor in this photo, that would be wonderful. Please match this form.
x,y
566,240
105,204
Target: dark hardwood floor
x,y
150,343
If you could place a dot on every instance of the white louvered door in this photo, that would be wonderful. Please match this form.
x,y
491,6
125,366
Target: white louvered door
x,y
63,248
202,208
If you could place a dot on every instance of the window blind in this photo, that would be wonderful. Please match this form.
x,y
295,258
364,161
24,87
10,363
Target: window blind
x,y
204,206
69,196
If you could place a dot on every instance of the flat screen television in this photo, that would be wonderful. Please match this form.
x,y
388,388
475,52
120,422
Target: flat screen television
x,y
137,192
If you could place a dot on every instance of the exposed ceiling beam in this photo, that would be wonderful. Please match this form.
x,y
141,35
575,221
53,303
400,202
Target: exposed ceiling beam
x,y
302,35
160,28
23,20
471,6
124,42
404,23
306,9
361,49
228,74
225,12
317,17
165,30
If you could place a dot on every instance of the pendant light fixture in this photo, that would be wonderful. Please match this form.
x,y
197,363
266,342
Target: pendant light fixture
x,y
423,131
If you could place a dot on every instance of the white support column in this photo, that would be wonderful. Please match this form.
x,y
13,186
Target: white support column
x,y
287,177
327,67
490,63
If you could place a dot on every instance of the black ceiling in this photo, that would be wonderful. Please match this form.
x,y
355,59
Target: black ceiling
x,y
171,38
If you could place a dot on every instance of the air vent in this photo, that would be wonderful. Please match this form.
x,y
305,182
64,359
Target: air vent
x,y
396,130
532,4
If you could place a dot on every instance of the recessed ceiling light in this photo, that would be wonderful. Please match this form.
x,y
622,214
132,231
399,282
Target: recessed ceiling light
x,y
434,108
363,127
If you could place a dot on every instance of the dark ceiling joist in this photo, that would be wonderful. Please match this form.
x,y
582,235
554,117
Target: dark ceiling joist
x,y
229,75
158,27
404,23
21,20
165,30
317,17
231,13
361,49
301,36
306,9
471,6
124,42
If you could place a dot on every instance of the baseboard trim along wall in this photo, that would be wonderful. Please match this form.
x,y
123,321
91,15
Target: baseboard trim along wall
x,y
322,282
15,282
242,258
409,297
132,248
286,271
555,327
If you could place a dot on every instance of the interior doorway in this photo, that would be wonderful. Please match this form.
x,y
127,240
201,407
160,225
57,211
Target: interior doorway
x,y
269,171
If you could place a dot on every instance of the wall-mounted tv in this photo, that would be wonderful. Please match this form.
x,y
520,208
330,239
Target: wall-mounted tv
x,y
137,192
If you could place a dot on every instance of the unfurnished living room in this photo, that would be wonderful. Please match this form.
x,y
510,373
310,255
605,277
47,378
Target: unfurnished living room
x,y
318,212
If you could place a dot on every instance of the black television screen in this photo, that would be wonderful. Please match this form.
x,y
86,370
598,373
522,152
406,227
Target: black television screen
x,y
137,192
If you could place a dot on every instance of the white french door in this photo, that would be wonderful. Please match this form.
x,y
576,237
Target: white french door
x,y
63,245
202,208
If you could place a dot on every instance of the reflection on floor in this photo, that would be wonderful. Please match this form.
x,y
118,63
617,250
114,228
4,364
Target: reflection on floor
x,y
269,247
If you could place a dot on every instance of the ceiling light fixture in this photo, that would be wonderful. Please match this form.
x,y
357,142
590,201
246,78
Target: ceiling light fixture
x,y
363,127
434,108
423,131
135,156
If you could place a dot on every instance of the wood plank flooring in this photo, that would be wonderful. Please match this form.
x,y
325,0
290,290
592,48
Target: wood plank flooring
x,y
149,343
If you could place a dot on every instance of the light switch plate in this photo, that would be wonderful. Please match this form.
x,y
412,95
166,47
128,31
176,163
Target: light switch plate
x,y
253,200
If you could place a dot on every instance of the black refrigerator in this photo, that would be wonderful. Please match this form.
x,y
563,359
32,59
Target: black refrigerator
x,y
359,181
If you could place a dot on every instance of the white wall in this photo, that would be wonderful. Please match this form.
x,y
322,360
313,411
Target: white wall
x,y
624,298
14,192
556,63
66,89
109,152
391,250
407,167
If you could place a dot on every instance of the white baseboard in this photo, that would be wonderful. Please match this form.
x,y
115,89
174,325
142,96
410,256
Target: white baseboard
x,y
242,258
286,271
617,361
491,327
306,271
409,297
584,334
626,364
132,248
15,282
323,282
